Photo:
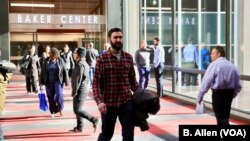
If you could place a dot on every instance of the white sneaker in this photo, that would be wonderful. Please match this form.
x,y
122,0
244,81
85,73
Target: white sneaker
x,y
52,115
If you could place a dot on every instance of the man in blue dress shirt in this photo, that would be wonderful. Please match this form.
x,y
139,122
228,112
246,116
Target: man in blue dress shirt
x,y
159,59
190,60
224,79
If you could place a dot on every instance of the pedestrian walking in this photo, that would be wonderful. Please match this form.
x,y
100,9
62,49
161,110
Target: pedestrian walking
x,y
31,69
113,81
91,57
224,79
67,57
80,89
54,77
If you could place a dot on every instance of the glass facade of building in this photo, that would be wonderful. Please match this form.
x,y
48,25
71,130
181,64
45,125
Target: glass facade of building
x,y
209,25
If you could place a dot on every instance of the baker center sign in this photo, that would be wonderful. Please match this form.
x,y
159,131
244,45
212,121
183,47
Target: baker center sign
x,y
55,19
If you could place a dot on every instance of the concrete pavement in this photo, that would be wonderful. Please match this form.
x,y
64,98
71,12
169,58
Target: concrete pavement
x,y
22,120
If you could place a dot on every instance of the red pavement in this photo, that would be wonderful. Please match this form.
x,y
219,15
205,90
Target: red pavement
x,y
22,120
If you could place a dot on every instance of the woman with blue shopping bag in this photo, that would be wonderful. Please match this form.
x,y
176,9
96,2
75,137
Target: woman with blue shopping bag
x,y
54,77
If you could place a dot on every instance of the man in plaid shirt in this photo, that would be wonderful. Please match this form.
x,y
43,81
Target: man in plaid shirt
x,y
113,81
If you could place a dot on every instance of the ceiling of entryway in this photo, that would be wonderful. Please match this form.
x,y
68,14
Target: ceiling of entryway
x,y
60,6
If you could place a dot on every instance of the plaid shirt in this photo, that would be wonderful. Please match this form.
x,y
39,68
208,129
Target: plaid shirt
x,y
114,79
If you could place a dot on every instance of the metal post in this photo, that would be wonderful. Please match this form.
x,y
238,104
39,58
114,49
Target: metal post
x,y
173,43
228,13
36,41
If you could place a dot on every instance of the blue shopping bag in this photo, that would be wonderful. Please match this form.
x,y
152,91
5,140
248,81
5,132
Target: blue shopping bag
x,y
42,100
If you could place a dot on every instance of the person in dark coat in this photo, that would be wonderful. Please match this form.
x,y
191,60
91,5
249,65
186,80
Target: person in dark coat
x,y
54,77
31,70
80,89
66,55
45,54
91,57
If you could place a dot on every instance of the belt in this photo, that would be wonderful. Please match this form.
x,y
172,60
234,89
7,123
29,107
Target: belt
x,y
222,90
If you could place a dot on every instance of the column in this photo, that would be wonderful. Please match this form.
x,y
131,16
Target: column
x,y
124,14
4,30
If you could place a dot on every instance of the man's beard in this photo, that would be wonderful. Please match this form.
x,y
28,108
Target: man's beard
x,y
116,46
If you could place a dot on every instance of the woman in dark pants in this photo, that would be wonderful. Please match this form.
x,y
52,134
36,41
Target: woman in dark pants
x,y
79,84
54,76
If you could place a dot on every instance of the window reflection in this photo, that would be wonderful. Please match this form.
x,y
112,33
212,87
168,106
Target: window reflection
x,y
209,5
189,5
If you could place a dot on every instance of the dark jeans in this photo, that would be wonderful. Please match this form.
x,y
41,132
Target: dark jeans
x,y
125,113
159,79
190,77
55,96
31,84
144,76
80,114
221,102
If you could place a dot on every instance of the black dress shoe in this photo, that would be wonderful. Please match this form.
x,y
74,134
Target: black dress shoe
x,y
76,130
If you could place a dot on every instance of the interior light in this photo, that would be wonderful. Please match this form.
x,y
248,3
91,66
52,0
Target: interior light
x,y
31,5
154,2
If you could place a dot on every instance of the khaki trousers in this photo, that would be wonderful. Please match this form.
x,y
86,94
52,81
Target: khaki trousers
x,y
3,85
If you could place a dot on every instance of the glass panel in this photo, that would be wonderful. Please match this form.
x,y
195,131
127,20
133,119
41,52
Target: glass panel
x,y
223,5
166,29
166,3
152,23
209,5
189,5
209,28
189,27
223,29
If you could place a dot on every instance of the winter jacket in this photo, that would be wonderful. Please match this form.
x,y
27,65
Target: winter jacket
x,y
145,102
44,80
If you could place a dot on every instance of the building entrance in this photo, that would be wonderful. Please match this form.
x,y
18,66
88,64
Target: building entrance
x,y
53,38
55,23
